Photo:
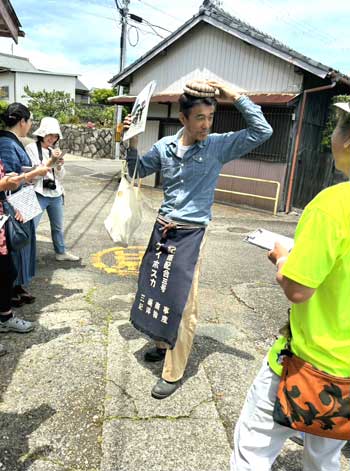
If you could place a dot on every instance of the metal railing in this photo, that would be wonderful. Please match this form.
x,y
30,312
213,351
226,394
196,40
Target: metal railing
x,y
260,180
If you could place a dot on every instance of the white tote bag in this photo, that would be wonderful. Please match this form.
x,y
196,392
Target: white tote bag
x,y
126,213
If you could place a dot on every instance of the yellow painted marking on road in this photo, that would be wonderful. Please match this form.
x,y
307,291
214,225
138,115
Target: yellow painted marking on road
x,y
119,260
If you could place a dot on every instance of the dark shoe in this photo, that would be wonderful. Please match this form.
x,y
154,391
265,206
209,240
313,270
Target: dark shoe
x,y
24,294
17,301
163,389
28,298
155,354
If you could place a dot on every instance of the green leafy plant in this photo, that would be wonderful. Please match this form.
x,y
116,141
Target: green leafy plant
x,y
101,95
326,143
56,104
59,105
3,107
100,115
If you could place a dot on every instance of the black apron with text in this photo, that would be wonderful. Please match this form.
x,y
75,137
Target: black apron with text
x,y
165,280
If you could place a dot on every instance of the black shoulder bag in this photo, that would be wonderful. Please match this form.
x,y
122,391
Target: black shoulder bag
x,y
17,233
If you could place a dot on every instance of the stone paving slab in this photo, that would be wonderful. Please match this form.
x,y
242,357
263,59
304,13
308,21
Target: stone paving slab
x,y
53,404
165,445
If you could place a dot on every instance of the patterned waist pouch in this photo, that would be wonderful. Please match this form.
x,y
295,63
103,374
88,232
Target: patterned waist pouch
x,y
312,401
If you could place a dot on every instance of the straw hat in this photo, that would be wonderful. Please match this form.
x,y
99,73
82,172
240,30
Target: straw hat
x,y
48,126
199,88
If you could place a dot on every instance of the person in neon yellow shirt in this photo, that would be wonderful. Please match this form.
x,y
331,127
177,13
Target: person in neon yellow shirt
x,y
315,277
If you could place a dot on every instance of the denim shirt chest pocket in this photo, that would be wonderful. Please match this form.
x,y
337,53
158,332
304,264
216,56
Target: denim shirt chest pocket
x,y
170,165
199,164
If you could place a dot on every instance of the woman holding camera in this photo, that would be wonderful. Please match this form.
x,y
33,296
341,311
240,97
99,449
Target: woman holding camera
x,y
49,189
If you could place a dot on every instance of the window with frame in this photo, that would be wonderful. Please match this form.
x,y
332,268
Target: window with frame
x,y
4,92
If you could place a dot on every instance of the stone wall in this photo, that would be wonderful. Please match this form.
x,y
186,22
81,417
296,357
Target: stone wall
x,y
91,143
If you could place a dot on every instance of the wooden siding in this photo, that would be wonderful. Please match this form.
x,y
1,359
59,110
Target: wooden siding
x,y
314,169
206,52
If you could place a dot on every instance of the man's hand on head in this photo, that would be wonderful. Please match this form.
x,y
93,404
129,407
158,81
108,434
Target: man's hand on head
x,y
226,91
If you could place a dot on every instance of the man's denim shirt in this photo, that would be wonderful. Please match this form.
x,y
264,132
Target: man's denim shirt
x,y
189,182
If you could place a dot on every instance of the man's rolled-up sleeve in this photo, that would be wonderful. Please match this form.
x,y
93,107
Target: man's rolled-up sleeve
x,y
235,144
146,165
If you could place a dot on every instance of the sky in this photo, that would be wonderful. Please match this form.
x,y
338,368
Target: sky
x,y
83,36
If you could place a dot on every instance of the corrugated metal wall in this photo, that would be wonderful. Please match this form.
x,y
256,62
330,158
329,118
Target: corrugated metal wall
x,y
276,148
207,52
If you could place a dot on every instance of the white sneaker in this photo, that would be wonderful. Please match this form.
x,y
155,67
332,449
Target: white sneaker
x,y
67,256
16,325
2,350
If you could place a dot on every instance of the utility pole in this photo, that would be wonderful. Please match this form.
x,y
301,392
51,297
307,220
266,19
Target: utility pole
x,y
124,11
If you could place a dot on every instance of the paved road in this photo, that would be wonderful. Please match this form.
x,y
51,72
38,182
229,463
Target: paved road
x,y
75,393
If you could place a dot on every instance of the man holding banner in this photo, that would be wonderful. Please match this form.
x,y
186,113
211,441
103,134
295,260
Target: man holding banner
x,y
166,304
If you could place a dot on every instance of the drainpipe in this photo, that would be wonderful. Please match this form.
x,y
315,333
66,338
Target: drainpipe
x,y
297,139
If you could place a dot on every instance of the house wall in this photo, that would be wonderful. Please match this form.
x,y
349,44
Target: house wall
x,y
157,110
313,168
79,98
272,171
207,52
39,82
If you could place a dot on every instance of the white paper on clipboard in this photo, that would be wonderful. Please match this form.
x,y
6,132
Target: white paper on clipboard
x,y
26,202
266,239
139,111
3,219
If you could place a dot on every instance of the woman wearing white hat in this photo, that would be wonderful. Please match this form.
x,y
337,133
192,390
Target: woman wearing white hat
x,y
49,190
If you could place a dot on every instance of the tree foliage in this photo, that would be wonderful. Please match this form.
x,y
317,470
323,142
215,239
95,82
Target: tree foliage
x,y
100,95
56,104
100,115
3,108
60,105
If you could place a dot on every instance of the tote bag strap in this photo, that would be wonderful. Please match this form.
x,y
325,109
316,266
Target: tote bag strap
x,y
135,173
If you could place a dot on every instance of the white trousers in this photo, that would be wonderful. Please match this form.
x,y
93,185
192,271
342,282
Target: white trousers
x,y
258,440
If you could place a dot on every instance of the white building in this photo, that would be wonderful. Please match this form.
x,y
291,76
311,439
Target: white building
x,y
16,73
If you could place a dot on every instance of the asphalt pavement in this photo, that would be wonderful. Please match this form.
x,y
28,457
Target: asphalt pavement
x,y
75,393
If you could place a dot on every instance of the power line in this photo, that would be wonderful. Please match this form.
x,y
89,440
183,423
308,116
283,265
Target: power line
x,y
144,31
162,11
137,37
157,26
138,19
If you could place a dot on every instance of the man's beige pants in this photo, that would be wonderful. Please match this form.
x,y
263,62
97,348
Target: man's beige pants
x,y
176,359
